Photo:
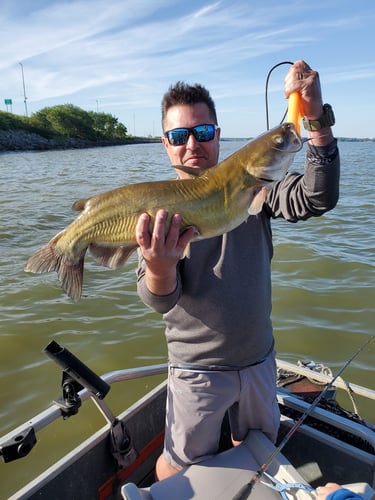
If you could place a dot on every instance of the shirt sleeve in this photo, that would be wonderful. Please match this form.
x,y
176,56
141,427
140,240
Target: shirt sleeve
x,y
301,196
343,494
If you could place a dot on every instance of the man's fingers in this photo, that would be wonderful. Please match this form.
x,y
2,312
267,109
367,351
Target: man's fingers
x,y
174,232
142,233
158,233
160,241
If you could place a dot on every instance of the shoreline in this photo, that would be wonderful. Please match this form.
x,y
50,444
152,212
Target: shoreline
x,y
21,140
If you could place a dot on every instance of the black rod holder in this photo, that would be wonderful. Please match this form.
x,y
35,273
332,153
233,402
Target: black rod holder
x,y
76,369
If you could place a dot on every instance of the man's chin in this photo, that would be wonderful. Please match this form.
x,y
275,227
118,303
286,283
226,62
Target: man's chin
x,y
200,165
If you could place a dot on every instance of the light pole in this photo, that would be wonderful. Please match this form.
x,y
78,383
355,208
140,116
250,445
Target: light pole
x,y
24,91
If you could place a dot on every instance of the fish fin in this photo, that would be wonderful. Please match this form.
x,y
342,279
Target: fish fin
x,y
70,273
112,257
257,202
80,205
193,171
186,251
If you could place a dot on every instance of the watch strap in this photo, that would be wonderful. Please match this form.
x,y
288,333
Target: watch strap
x,y
327,119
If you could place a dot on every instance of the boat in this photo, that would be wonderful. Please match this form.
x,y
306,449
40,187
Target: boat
x,y
118,461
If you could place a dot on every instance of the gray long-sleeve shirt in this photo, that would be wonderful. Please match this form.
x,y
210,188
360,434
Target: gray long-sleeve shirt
x,y
220,312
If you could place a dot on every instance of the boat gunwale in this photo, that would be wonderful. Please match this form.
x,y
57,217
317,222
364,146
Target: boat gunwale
x,y
54,412
340,383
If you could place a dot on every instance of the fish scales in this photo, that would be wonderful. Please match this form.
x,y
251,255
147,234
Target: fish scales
x,y
213,201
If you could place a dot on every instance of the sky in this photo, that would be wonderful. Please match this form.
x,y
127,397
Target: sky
x,y
120,57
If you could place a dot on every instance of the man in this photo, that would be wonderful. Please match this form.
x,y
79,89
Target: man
x,y
216,301
333,491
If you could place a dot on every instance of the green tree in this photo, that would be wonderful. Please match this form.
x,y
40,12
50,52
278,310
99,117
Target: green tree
x,y
70,121
107,125
67,121
9,121
40,121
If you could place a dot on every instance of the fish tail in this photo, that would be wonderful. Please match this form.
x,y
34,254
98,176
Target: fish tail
x,y
49,259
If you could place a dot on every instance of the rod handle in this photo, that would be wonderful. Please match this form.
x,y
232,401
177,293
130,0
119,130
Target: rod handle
x,y
76,369
294,110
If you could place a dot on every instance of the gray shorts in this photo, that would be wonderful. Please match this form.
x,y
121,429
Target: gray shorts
x,y
198,400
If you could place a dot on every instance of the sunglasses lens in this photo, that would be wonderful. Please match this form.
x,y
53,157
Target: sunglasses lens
x,y
204,133
180,136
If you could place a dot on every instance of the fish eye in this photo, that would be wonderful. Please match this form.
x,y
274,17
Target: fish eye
x,y
279,140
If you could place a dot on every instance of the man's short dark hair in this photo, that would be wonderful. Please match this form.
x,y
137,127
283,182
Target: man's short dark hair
x,y
182,93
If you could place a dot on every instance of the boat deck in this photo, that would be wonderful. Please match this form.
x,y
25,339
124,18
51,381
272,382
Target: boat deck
x,y
224,475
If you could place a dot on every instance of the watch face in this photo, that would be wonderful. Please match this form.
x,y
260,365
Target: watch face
x,y
329,115
328,118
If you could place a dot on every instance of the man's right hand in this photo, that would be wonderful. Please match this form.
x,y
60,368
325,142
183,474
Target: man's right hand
x,y
161,250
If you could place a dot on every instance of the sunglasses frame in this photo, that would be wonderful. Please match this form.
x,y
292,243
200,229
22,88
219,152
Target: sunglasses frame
x,y
193,131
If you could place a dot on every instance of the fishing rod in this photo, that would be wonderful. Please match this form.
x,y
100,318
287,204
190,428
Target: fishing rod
x,y
245,491
266,92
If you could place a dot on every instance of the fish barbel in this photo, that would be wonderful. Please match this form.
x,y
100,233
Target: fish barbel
x,y
214,201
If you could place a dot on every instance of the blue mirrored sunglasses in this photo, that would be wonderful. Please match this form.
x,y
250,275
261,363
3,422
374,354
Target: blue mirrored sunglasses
x,y
180,136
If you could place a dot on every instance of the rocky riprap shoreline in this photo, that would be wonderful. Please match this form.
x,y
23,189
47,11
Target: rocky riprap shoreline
x,y
19,140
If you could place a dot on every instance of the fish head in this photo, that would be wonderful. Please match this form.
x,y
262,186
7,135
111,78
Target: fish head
x,y
272,153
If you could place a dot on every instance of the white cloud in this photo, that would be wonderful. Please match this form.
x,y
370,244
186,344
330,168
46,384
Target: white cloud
x,y
126,52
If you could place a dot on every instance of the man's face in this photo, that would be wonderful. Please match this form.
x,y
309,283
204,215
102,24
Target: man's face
x,y
193,153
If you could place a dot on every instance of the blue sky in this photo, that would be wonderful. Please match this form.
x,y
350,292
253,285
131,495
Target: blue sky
x,y
120,56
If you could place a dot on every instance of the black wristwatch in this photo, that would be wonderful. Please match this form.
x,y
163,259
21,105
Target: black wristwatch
x,y
327,119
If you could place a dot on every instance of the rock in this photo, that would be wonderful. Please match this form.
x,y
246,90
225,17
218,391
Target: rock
x,y
20,140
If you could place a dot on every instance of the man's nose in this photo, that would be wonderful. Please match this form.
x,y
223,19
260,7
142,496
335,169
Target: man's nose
x,y
192,142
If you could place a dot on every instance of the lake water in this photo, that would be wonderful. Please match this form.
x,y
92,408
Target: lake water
x,y
323,288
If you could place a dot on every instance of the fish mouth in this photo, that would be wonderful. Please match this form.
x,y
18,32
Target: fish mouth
x,y
290,136
297,142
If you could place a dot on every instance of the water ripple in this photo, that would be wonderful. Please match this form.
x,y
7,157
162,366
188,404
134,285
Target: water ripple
x,y
323,276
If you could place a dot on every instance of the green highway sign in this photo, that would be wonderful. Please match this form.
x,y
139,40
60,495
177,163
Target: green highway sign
x,y
8,102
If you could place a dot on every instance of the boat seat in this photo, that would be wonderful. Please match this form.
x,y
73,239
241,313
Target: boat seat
x,y
223,475
130,491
